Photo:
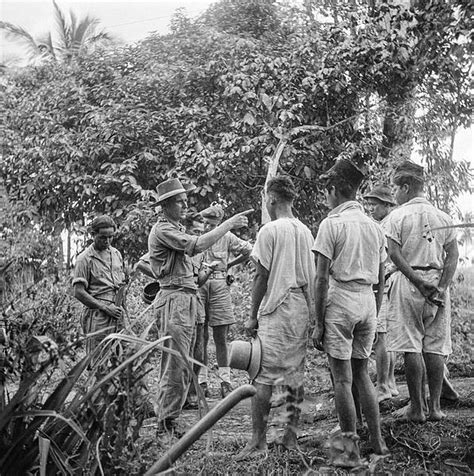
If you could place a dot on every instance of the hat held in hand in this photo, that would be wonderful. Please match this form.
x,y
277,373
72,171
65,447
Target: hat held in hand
x,y
246,356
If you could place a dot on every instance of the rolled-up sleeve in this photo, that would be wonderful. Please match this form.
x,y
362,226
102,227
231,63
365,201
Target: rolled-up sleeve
x,y
262,251
324,242
176,239
81,272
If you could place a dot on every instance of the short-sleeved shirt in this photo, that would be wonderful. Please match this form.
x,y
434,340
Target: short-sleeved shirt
x,y
283,248
170,249
224,248
412,227
353,242
100,271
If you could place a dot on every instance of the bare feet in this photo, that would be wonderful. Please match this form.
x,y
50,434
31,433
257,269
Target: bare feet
x,y
380,448
436,415
393,389
251,451
406,413
383,393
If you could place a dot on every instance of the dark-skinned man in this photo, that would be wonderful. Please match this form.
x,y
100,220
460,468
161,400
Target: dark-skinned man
x,y
419,318
98,275
280,312
350,255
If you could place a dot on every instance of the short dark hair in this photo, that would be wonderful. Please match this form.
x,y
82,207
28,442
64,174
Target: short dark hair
x,y
345,188
102,221
282,186
415,184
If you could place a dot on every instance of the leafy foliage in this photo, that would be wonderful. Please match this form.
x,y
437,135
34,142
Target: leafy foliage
x,y
215,100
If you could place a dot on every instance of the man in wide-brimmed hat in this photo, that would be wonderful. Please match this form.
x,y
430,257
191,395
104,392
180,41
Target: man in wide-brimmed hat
x,y
280,312
171,248
380,203
350,255
215,295
422,244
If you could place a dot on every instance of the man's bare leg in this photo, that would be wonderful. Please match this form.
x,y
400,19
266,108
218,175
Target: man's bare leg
x,y
260,411
392,384
382,362
447,390
369,404
293,401
414,375
435,373
342,374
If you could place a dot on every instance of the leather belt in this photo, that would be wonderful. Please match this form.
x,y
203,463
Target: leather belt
x,y
173,287
424,268
218,275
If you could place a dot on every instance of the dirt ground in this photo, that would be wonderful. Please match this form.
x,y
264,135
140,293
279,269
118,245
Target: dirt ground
x,y
445,447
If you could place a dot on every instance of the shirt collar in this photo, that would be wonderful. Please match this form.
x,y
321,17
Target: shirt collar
x,y
351,204
415,200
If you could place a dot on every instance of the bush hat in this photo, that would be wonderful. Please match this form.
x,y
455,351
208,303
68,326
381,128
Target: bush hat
x,y
246,356
213,213
407,168
347,170
382,193
169,188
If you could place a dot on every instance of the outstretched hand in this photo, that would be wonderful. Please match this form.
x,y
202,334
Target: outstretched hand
x,y
240,220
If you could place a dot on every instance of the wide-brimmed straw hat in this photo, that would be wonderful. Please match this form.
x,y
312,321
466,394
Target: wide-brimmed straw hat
x,y
246,356
169,188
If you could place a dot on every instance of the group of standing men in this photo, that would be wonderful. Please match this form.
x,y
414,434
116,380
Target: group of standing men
x,y
328,282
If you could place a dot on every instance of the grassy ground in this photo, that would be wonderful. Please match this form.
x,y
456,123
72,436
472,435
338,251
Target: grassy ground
x,y
438,448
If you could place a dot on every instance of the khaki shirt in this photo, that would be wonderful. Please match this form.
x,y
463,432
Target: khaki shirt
x,y
170,249
101,272
223,249
353,242
411,226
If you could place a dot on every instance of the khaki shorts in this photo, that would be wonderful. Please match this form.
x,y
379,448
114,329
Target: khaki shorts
x,y
350,322
215,296
414,325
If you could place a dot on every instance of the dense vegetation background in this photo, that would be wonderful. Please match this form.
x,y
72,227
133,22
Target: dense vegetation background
x,y
93,129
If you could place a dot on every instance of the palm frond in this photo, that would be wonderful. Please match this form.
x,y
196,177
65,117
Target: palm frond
x,y
80,34
64,30
19,34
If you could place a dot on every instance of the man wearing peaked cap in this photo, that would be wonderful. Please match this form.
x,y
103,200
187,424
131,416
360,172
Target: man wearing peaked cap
x,y
215,295
170,250
419,317
380,203
350,254
347,170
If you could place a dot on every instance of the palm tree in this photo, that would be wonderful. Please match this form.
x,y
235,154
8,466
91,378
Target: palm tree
x,y
72,38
